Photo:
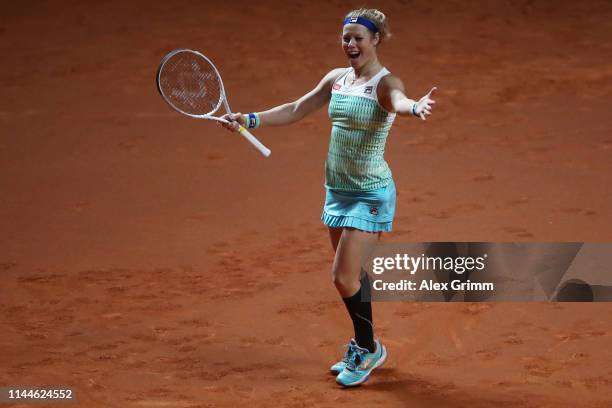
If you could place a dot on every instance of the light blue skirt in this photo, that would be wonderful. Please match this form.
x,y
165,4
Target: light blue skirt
x,y
370,211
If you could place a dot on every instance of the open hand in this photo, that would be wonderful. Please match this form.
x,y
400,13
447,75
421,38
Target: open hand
x,y
423,106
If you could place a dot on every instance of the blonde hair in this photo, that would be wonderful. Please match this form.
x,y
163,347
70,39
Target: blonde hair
x,y
377,17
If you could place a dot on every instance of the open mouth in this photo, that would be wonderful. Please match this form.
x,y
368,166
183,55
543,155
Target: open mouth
x,y
353,54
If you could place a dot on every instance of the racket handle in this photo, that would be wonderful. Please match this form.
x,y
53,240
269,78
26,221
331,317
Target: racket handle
x,y
248,136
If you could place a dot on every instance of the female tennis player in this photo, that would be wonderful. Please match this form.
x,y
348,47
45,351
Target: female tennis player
x,y
360,194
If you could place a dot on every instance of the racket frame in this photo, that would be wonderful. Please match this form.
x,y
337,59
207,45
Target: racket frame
x,y
222,99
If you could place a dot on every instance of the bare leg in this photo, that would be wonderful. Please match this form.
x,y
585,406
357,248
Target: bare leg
x,y
352,249
334,236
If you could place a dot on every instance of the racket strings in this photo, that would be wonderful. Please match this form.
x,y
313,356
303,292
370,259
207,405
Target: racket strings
x,y
190,84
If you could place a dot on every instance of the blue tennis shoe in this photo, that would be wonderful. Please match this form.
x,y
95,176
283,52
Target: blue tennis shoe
x,y
339,366
360,364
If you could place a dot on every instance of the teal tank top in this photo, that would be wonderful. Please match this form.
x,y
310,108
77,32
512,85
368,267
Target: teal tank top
x,y
360,126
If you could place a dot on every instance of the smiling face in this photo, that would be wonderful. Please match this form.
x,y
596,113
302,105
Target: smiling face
x,y
359,44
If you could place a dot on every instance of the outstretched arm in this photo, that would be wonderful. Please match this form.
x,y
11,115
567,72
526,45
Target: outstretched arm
x,y
292,112
392,97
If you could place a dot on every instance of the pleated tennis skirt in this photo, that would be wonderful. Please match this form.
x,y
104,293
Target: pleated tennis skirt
x,y
370,211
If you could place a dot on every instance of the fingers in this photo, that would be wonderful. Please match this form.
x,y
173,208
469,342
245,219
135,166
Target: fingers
x,y
231,126
424,113
234,121
425,104
424,107
424,110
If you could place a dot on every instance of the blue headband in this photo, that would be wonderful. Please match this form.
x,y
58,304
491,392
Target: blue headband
x,y
363,21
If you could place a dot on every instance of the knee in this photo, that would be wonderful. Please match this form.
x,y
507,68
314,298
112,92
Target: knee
x,y
344,284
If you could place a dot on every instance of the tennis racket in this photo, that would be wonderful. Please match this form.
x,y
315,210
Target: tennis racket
x,y
190,83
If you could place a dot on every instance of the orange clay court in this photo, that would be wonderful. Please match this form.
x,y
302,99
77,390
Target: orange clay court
x,y
152,260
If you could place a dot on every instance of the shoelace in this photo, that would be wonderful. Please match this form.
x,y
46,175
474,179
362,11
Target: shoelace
x,y
348,353
356,357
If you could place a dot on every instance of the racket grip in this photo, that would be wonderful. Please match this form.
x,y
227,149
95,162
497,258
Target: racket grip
x,y
248,136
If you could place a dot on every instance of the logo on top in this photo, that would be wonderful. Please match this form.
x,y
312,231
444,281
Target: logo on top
x,y
337,86
368,90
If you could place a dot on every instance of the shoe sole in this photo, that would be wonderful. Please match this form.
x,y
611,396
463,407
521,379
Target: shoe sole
x,y
365,377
